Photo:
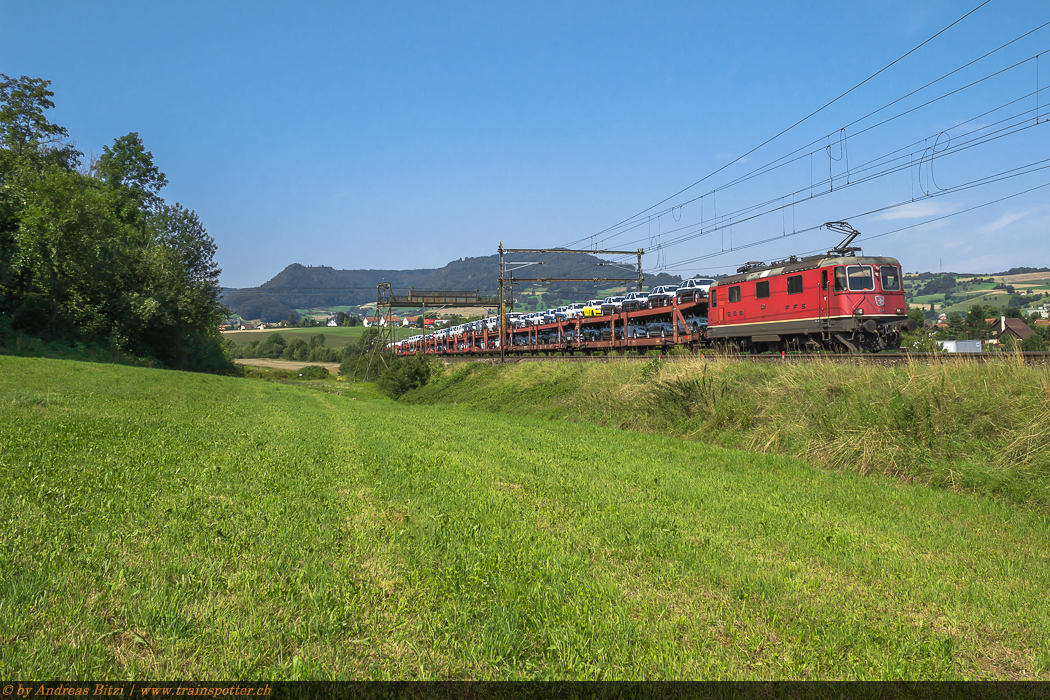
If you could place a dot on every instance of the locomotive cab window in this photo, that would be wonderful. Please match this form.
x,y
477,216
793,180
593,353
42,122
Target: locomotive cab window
x,y
795,284
734,293
714,297
891,278
840,279
860,278
762,289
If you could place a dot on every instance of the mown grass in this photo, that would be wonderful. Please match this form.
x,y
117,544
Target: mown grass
x,y
969,426
169,525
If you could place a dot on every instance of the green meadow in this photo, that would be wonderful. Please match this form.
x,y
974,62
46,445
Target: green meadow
x,y
966,425
166,525
334,336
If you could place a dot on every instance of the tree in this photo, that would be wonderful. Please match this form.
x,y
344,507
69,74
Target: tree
x,y
1033,343
406,373
26,131
1012,312
170,308
956,330
272,347
129,168
976,326
919,317
98,257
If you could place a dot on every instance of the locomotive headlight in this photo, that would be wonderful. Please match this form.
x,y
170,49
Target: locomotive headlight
x,y
858,312
900,312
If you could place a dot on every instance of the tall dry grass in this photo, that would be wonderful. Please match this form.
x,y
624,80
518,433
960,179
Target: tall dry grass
x,y
966,425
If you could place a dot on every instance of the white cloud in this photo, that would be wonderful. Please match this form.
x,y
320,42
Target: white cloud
x,y
916,210
1003,221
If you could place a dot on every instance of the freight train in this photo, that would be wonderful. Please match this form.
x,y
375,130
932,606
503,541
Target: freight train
x,y
840,302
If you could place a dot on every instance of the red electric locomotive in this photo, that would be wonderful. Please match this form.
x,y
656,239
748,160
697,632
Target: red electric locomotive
x,y
841,301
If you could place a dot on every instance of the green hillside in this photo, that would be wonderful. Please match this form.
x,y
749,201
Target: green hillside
x,y
300,287
168,525
335,336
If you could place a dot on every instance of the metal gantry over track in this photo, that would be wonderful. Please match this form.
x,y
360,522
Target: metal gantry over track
x,y
387,301
506,284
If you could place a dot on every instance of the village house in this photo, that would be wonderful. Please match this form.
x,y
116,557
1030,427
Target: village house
x,y
383,321
1010,327
414,320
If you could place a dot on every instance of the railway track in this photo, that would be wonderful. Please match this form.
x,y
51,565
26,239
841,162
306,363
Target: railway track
x,y
882,358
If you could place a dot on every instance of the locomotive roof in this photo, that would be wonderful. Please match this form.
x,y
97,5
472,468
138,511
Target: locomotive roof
x,y
813,261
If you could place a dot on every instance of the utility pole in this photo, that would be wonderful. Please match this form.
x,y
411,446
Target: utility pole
x,y
502,311
641,277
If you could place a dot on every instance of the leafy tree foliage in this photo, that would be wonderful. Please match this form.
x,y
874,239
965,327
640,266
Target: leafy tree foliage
x,y
406,373
27,133
128,168
976,326
1033,343
956,329
98,257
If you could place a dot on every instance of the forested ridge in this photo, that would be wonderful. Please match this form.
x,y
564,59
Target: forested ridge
x,y
300,286
91,256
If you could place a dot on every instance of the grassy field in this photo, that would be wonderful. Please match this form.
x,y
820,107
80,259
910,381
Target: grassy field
x,y
169,525
980,427
334,337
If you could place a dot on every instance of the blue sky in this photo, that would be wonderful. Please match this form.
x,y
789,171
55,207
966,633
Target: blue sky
x,y
405,135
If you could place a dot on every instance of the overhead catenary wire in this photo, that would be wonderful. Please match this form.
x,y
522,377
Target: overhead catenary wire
x,y
999,177
892,166
695,230
919,224
762,170
797,123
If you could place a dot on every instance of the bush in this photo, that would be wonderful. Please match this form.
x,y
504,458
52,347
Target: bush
x,y
406,373
1033,343
314,372
252,372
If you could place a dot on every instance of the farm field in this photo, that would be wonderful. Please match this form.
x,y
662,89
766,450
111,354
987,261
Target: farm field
x,y
172,525
267,363
967,293
1028,278
335,336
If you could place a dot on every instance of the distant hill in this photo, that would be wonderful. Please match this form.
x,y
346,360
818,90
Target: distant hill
x,y
299,286
1022,271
